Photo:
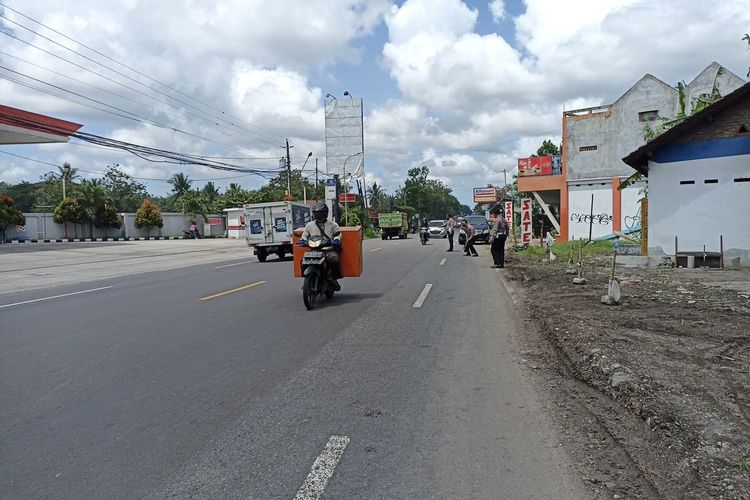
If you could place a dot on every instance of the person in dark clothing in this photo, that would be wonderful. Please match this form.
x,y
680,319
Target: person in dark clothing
x,y
498,241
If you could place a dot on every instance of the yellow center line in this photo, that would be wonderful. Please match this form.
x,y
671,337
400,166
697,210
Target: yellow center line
x,y
376,249
221,294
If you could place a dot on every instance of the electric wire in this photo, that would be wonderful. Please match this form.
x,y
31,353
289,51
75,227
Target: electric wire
x,y
260,137
131,68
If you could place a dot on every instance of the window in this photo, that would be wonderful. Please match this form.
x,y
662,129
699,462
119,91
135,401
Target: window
x,y
687,182
587,148
711,181
648,116
742,179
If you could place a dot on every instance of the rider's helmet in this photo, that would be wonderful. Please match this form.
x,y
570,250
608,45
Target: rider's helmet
x,y
320,212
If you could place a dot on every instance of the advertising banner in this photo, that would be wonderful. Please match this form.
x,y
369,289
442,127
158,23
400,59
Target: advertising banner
x,y
526,220
539,165
485,195
508,212
347,198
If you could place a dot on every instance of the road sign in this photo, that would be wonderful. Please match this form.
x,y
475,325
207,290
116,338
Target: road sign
x,y
485,207
485,195
347,198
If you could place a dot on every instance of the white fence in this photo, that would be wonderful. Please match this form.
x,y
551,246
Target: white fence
x,y
41,226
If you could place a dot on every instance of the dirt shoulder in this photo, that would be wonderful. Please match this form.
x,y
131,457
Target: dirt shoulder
x,y
652,396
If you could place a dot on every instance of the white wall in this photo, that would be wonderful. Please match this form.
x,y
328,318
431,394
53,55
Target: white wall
x,y
234,219
42,226
698,213
630,206
579,207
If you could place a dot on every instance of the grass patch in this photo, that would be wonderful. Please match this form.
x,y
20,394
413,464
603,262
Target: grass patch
x,y
563,250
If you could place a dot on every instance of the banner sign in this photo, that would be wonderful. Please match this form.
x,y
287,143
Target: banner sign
x,y
347,198
526,220
485,195
539,165
213,221
509,213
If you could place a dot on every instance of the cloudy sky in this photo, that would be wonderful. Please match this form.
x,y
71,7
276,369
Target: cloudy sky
x,y
465,87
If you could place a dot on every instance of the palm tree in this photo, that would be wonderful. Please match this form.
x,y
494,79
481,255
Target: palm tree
x,y
376,195
180,184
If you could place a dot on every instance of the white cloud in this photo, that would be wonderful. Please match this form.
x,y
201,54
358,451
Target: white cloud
x,y
497,9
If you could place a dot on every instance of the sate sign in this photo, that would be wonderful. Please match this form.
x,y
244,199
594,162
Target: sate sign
x,y
526,220
538,165
485,195
508,212
347,198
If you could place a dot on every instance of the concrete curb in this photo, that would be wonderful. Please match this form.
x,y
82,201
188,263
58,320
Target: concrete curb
x,y
91,240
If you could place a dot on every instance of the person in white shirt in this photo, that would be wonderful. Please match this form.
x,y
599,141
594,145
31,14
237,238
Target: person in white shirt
x,y
449,226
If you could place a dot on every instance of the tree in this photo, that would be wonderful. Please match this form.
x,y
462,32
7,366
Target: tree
x,y
429,197
192,204
69,210
9,214
547,148
125,191
377,197
92,197
181,184
107,217
211,194
235,197
148,215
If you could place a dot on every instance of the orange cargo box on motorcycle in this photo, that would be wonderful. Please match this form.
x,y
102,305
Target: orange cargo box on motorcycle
x,y
351,252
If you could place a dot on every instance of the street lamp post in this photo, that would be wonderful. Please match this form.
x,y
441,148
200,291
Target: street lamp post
x,y
346,199
304,188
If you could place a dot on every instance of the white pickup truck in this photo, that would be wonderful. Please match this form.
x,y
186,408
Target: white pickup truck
x,y
269,226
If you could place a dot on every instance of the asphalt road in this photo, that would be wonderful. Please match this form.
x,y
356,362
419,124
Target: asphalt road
x,y
134,387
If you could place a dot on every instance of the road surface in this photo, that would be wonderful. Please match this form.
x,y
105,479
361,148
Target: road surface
x,y
211,380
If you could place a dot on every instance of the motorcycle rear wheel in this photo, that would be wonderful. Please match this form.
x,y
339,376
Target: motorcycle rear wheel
x,y
310,290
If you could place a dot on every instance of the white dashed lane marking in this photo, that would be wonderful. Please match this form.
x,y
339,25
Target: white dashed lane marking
x,y
422,296
442,262
322,469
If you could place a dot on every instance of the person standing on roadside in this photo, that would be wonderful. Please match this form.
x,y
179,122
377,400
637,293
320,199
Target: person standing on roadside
x,y
498,241
449,225
471,238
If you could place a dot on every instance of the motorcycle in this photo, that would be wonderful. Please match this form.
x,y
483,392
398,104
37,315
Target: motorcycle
x,y
316,277
424,235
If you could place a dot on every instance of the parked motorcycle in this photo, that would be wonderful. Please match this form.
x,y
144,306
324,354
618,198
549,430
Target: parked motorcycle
x,y
424,235
316,278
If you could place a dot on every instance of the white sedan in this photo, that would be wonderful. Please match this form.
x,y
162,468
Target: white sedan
x,y
436,228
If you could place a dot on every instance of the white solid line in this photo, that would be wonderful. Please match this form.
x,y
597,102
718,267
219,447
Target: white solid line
x,y
322,469
442,262
55,296
422,296
235,264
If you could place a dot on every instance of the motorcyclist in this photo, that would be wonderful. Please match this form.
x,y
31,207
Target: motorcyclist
x,y
321,226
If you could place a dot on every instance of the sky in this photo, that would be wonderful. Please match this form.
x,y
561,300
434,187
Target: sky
x,y
463,87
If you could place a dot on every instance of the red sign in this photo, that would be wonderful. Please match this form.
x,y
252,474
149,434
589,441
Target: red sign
x,y
526,220
538,165
347,198
213,221
508,206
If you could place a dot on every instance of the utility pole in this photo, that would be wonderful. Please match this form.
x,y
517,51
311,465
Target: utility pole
x,y
316,180
288,171
505,178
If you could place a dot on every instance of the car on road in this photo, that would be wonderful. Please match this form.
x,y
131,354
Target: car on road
x,y
436,228
481,226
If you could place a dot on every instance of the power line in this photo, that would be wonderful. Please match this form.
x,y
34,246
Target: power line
x,y
259,135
